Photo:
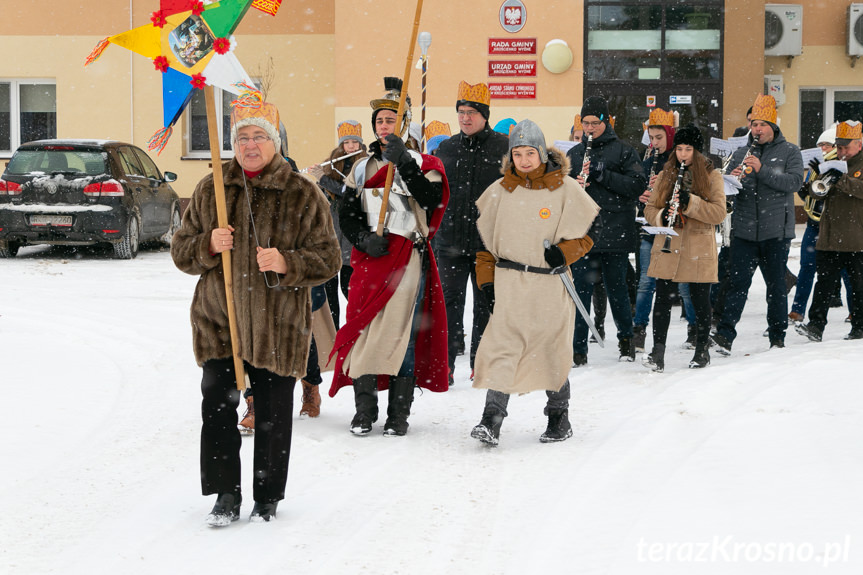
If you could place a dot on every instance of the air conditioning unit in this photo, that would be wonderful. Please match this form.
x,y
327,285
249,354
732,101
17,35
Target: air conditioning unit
x,y
774,86
855,30
783,30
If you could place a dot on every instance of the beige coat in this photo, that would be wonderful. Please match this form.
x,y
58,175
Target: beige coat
x,y
693,257
527,345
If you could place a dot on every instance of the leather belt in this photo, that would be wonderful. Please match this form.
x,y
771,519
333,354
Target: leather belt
x,y
510,265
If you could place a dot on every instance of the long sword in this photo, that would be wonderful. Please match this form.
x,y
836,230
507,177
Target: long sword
x,y
570,289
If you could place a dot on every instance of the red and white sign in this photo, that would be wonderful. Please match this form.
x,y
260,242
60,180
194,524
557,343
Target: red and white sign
x,y
512,90
497,68
513,15
511,46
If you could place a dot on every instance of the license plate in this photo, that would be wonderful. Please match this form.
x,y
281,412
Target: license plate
x,y
50,220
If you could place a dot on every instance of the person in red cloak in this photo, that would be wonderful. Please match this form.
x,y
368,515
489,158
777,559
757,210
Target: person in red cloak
x,y
395,334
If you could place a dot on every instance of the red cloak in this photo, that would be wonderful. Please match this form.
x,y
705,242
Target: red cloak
x,y
373,283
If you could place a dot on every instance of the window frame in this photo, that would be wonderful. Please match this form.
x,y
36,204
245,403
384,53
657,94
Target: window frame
x,y
15,109
219,97
829,107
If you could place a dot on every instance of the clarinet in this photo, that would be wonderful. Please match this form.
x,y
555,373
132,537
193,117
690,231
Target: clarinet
x,y
747,169
586,159
674,205
652,169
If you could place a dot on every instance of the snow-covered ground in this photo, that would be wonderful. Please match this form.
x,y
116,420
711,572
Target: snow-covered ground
x,y
753,465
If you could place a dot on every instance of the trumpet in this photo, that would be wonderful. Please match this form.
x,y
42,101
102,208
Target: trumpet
x,y
747,169
674,206
821,187
586,159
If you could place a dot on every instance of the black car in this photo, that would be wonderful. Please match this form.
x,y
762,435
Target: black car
x,y
84,192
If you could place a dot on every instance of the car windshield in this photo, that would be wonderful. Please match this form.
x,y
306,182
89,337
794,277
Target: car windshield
x,y
48,161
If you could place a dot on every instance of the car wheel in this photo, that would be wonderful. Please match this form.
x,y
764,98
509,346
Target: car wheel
x,y
127,248
9,248
176,222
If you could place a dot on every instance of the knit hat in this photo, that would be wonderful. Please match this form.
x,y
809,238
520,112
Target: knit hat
x,y
847,132
249,109
595,106
764,109
434,142
476,96
350,130
689,136
828,135
527,133
390,101
505,126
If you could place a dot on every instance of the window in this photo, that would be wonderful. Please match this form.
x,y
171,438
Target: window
x,y
820,108
198,136
28,111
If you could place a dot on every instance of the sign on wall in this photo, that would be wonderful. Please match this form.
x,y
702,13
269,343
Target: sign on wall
x,y
511,46
498,68
512,90
513,15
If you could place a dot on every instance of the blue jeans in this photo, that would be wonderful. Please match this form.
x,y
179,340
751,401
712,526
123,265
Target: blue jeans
x,y
772,257
806,275
586,273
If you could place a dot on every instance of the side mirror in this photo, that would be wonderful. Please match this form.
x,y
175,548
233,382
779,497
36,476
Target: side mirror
x,y
170,177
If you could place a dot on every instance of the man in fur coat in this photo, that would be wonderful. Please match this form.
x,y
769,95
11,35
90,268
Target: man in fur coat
x,y
282,242
395,334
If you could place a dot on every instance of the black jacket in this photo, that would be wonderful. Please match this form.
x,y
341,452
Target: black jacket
x,y
472,164
621,183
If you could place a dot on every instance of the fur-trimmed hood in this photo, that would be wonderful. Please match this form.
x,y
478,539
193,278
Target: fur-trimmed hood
x,y
556,169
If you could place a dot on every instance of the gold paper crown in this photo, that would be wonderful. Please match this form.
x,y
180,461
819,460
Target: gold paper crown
x,y
477,93
849,130
764,109
660,117
437,128
576,123
350,129
251,110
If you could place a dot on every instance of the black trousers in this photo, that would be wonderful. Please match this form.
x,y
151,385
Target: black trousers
x,y
829,268
220,438
700,294
455,273
332,289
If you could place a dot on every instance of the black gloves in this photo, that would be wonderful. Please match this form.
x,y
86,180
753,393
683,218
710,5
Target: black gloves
x,y
488,292
597,170
832,174
554,257
373,244
395,151
682,199
813,165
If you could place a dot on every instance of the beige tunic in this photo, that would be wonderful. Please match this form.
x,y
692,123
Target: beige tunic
x,y
381,347
527,344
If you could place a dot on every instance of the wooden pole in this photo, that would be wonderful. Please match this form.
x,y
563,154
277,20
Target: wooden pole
x,y
222,215
400,117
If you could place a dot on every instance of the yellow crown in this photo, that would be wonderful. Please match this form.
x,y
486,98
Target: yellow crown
x,y
849,130
437,128
660,117
576,123
477,93
350,129
764,109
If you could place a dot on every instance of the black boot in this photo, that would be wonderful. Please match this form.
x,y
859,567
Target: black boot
x,y
226,510
700,359
366,399
263,511
401,396
639,334
488,429
691,333
558,428
656,358
627,350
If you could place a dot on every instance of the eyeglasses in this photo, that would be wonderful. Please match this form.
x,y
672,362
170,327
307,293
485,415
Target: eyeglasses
x,y
468,113
259,139
591,124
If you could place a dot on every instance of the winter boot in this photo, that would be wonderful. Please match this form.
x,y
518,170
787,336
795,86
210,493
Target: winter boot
x,y
247,424
366,399
311,400
401,396
691,332
855,333
722,345
700,359
810,331
639,334
579,359
488,429
263,512
226,510
601,329
627,350
655,360
558,428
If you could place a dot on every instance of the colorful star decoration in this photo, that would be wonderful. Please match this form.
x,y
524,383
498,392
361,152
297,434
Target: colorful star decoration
x,y
190,42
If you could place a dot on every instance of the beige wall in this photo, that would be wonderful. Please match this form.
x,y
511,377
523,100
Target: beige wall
x,y
743,60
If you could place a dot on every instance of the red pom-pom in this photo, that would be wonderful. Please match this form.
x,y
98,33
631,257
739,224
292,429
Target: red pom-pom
x,y
221,45
199,81
161,63
158,18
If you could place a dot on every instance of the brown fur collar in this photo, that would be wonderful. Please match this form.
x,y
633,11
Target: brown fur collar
x,y
275,176
551,177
